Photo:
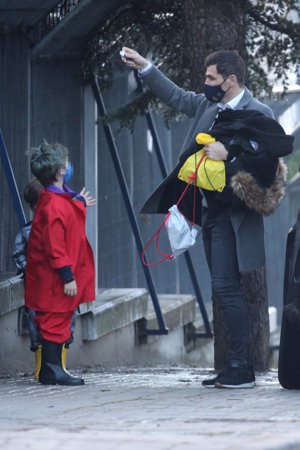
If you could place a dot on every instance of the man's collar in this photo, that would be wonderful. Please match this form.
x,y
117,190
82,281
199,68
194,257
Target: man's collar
x,y
232,103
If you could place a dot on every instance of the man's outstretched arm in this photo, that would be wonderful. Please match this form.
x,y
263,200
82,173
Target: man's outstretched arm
x,y
133,59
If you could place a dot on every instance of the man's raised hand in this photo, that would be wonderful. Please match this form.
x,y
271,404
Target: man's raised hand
x,y
133,59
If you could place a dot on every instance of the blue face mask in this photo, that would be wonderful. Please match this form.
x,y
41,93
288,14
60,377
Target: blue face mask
x,y
69,172
214,93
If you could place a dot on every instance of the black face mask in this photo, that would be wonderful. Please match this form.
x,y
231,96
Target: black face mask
x,y
214,93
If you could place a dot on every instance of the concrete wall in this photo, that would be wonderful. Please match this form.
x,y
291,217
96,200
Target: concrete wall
x,y
116,349
117,346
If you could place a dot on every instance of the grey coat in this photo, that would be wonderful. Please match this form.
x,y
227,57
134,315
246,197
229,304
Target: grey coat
x,y
247,224
21,241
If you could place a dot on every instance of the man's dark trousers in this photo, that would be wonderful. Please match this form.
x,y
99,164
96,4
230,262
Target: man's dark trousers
x,y
220,249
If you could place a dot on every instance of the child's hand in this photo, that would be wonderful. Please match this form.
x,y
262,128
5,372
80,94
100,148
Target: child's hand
x,y
70,288
89,200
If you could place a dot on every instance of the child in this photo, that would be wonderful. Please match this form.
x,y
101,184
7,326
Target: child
x,y
60,266
31,195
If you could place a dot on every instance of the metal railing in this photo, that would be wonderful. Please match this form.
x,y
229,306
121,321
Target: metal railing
x,y
51,19
129,208
134,225
4,157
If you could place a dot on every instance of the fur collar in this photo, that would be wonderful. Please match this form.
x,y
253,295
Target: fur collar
x,y
262,200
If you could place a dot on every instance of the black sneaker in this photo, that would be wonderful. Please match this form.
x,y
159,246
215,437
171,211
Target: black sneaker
x,y
236,377
210,382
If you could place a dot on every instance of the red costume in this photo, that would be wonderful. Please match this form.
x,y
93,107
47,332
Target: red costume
x,y
58,239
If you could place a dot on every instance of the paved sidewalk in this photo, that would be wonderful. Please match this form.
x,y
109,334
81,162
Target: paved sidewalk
x,y
141,409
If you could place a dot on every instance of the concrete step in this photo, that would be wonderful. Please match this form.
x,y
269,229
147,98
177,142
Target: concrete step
x,y
177,311
11,294
114,333
109,331
117,308
112,310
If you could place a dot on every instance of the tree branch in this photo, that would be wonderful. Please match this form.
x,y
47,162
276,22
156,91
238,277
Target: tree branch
x,y
127,114
109,22
284,26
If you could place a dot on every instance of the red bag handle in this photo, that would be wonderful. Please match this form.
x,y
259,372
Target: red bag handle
x,y
156,236
169,256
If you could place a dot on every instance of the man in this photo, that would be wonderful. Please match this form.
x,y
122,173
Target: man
x,y
233,233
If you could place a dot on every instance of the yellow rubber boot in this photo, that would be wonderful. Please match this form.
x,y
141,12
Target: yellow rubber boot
x,y
38,362
64,357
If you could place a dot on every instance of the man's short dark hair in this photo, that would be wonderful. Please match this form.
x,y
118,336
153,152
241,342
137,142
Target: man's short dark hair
x,y
46,160
227,62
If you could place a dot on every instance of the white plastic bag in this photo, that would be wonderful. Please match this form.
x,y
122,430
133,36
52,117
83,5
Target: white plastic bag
x,y
181,234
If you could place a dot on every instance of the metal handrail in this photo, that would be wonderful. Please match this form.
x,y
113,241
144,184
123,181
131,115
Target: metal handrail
x,y
11,182
134,225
